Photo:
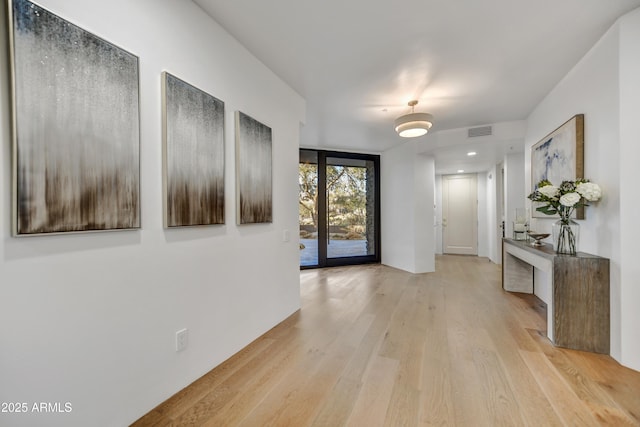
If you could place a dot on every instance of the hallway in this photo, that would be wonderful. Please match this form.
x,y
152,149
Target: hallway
x,y
374,345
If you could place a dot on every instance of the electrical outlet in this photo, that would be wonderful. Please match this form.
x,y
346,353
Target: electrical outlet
x,y
286,236
182,339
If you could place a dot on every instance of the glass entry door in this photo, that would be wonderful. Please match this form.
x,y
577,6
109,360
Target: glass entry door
x,y
350,207
339,208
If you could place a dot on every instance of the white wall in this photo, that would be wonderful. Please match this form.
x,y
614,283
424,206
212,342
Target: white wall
x,y
407,187
610,105
424,177
483,215
514,189
437,224
494,246
90,319
629,200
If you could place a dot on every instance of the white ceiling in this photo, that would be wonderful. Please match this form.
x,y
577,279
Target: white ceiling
x,y
468,62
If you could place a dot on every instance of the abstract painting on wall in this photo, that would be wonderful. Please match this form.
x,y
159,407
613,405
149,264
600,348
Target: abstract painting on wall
x,y
76,127
253,170
559,156
193,128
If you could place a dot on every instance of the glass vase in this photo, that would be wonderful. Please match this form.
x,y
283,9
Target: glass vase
x,y
566,233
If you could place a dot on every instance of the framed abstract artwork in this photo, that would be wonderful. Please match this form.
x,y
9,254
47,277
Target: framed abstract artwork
x,y
193,134
253,170
76,127
559,156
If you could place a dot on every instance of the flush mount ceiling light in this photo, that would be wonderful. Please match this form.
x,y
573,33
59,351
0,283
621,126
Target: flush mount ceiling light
x,y
413,124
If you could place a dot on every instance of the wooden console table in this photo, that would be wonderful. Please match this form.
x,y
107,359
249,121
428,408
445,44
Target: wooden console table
x,y
578,306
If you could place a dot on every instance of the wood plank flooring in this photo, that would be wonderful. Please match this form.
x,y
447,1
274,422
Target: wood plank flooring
x,y
376,346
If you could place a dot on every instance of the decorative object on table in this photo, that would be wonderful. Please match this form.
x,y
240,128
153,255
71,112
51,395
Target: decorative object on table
x,y
253,170
559,157
537,237
193,134
563,201
76,146
521,224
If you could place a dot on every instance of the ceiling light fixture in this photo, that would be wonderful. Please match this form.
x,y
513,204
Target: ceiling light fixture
x,y
413,124
471,153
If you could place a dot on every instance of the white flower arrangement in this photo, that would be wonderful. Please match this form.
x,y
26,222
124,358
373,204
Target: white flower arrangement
x,y
590,191
563,200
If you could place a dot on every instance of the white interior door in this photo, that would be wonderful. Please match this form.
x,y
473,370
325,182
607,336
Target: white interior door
x,y
460,214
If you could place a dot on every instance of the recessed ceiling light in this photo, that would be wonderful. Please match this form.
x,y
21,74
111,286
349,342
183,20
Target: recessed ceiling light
x,y
471,153
460,170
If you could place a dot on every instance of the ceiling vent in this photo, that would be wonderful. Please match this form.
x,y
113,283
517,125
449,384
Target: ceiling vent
x,y
479,131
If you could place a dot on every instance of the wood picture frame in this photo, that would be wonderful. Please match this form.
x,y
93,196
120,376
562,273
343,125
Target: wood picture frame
x,y
558,157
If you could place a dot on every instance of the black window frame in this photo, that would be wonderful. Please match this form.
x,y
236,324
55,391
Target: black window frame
x,y
323,261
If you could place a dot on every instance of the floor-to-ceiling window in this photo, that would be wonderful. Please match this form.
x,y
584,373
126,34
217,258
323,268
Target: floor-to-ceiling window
x,y
308,208
339,208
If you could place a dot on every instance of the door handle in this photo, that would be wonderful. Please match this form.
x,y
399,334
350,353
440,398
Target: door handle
x,y
444,222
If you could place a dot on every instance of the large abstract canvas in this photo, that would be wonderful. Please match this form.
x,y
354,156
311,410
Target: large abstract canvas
x,y
76,127
559,156
193,155
253,169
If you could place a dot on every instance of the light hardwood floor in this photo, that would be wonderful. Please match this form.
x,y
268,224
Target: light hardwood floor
x,y
376,346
